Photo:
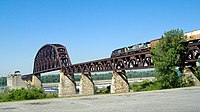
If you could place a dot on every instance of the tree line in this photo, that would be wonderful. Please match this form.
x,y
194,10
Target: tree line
x,y
55,78
105,76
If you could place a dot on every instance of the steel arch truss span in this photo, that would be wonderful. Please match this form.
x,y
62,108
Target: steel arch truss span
x,y
51,57
135,61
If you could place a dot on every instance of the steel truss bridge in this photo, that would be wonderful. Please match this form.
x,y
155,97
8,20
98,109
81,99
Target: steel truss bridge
x,y
53,57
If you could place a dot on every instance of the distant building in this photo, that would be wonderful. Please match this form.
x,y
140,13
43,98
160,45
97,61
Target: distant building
x,y
14,81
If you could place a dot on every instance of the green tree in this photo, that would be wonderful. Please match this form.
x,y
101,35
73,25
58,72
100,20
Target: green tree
x,y
166,56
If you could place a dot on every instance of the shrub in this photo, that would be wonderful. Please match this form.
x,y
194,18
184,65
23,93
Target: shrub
x,y
157,85
52,95
146,86
104,90
7,96
197,74
186,82
35,93
96,89
25,94
20,94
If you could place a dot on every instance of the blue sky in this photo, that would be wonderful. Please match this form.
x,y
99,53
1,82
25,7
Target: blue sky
x,y
90,29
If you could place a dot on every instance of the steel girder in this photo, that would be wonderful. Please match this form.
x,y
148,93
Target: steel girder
x,y
135,61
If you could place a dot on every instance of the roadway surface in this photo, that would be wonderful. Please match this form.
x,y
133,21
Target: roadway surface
x,y
174,100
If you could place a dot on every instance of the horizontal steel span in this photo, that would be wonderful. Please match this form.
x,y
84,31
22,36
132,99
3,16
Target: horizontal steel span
x,y
53,57
140,60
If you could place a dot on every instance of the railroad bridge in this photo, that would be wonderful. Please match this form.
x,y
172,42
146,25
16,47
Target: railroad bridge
x,y
53,57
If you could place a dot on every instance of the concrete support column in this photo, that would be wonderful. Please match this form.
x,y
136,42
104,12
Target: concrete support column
x,y
119,82
15,82
36,81
86,84
188,74
28,83
67,85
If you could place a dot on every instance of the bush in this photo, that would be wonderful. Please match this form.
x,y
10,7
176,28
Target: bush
x,y
146,86
19,94
157,85
25,94
197,74
186,82
35,93
52,95
102,90
7,96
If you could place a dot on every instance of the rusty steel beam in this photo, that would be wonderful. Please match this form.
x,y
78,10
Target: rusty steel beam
x,y
27,77
140,60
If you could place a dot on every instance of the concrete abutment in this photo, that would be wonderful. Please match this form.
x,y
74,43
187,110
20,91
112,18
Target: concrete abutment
x,y
67,85
86,85
14,81
188,75
36,81
119,82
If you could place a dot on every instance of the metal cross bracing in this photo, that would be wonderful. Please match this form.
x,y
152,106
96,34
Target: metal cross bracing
x,y
193,52
135,61
55,57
